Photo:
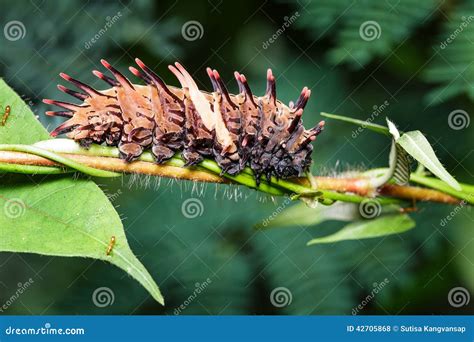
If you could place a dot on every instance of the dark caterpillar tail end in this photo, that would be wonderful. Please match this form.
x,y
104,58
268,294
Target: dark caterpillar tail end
x,y
235,130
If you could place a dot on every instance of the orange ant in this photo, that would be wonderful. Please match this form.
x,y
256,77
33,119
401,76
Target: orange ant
x,y
111,245
5,115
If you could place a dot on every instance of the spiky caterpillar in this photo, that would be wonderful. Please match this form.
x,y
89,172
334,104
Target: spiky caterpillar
x,y
235,130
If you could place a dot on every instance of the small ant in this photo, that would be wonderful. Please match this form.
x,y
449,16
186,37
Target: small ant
x,y
5,115
111,245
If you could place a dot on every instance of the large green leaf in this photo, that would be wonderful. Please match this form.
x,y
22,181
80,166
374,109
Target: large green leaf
x,y
58,215
418,147
384,225
65,217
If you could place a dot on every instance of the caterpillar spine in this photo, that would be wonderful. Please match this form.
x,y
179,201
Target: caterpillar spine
x,y
236,130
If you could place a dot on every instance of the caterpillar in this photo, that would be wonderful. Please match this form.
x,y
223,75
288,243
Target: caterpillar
x,y
235,130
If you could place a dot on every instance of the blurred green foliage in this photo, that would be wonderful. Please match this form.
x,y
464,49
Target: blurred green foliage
x,y
246,265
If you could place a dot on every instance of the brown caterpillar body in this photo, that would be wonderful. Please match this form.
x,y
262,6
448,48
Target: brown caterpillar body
x,y
235,130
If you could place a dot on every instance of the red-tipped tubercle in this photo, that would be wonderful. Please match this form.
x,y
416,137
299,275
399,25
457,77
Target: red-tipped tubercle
x,y
140,63
135,72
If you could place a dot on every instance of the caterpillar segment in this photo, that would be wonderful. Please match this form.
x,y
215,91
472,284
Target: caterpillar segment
x,y
235,130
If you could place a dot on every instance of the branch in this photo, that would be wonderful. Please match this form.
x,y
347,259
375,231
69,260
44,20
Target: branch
x,y
361,186
114,165
104,159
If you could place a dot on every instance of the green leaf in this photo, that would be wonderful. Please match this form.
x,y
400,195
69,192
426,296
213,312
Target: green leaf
x,y
393,129
418,147
302,215
364,124
399,164
21,127
59,215
384,225
66,217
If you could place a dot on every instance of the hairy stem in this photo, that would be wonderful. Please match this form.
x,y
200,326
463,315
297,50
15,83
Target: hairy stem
x,y
329,188
51,156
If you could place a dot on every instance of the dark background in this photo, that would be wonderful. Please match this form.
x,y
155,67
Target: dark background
x,y
323,49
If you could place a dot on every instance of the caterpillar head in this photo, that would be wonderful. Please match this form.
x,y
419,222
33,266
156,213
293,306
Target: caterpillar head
x,y
96,120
